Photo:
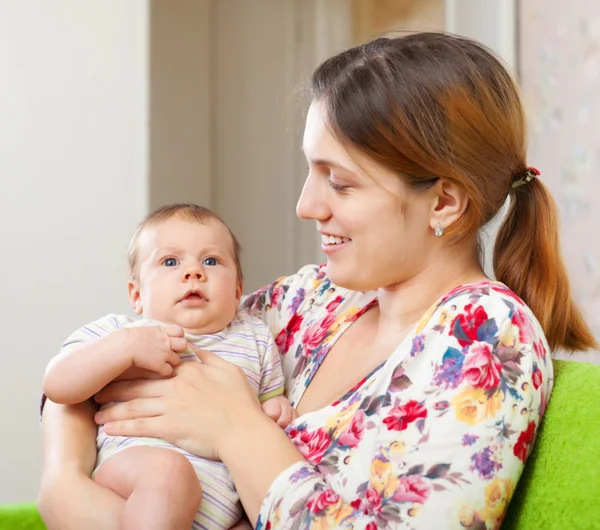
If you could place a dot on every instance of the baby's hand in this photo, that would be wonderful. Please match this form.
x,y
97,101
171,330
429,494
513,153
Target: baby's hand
x,y
280,410
156,348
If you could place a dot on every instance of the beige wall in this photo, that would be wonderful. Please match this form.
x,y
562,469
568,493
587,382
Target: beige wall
x,y
560,75
377,18
180,146
73,150
225,127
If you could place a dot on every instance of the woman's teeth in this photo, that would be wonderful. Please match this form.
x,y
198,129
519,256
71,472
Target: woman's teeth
x,y
333,240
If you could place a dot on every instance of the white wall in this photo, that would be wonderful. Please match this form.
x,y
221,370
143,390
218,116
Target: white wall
x,y
73,183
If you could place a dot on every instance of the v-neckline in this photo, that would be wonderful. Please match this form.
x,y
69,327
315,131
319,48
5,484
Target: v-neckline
x,y
304,384
401,346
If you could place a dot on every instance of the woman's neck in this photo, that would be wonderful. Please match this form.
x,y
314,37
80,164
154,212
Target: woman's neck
x,y
404,304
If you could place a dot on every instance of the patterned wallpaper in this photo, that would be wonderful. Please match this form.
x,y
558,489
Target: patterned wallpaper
x,y
559,67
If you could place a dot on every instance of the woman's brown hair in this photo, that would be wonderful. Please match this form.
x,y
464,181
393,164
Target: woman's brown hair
x,y
432,105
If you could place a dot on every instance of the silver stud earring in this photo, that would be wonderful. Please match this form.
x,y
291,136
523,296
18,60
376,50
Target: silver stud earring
x,y
439,230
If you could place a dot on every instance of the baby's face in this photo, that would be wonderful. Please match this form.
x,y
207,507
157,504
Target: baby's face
x,y
187,275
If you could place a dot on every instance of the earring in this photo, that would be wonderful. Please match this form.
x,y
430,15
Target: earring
x,y
439,230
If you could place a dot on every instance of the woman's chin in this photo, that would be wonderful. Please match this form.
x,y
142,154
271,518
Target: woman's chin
x,y
348,279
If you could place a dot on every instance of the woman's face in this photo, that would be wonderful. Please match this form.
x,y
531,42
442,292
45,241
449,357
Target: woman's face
x,y
375,231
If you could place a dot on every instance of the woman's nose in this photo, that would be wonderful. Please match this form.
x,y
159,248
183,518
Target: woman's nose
x,y
312,203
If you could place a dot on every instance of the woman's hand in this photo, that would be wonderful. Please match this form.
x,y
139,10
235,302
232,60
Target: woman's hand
x,y
199,409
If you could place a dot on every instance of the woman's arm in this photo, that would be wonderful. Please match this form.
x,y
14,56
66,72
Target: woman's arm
x,y
68,498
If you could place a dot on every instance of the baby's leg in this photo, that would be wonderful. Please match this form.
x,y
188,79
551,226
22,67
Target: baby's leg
x,y
160,486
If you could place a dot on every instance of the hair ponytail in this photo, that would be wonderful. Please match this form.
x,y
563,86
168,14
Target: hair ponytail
x,y
527,259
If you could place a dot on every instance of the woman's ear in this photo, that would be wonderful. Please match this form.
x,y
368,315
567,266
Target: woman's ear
x,y
135,299
449,205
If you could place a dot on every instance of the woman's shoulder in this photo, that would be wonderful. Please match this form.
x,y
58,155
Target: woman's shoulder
x,y
488,300
486,316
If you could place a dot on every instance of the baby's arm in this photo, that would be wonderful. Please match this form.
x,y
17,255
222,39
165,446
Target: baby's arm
x,y
79,372
274,403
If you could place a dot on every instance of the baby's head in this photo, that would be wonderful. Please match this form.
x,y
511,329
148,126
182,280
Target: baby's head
x,y
184,269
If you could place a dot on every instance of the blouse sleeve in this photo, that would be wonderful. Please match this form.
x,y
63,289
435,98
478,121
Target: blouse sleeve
x,y
440,444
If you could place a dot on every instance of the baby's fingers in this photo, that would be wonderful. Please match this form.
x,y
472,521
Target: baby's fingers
x,y
179,345
173,330
288,414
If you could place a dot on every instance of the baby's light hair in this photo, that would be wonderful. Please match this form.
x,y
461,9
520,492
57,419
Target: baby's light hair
x,y
186,212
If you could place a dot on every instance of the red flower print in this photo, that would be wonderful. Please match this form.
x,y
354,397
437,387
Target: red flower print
x,y
536,377
399,417
412,488
539,349
371,526
316,332
465,325
523,322
507,292
524,442
321,500
285,339
354,432
334,304
276,296
373,499
356,504
312,445
481,367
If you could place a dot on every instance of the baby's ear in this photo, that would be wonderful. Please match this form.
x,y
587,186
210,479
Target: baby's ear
x,y
239,290
133,289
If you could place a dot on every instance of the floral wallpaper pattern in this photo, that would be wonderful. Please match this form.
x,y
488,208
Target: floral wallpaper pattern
x,y
559,69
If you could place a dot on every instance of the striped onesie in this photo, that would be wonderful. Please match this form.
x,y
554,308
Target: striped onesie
x,y
246,342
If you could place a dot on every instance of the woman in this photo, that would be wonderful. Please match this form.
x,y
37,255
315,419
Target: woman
x,y
420,383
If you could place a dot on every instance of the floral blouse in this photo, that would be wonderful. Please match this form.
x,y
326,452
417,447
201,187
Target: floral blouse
x,y
436,437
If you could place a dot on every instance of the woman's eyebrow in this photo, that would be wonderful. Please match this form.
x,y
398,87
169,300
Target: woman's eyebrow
x,y
326,162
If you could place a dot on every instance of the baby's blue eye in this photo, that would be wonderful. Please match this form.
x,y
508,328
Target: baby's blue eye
x,y
170,262
210,262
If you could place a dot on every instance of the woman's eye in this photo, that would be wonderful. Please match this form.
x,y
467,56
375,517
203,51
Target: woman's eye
x,y
336,187
170,262
210,262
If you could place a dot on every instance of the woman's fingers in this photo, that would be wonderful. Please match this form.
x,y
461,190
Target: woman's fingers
x,y
153,427
209,357
128,390
129,410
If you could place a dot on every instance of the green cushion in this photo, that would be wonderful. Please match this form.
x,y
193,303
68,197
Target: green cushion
x,y
23,516
560,485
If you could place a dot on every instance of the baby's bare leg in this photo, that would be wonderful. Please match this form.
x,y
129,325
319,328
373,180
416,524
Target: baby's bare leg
x,y
160,486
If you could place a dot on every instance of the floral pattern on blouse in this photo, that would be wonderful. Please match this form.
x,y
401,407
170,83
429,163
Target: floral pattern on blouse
x,y
436,437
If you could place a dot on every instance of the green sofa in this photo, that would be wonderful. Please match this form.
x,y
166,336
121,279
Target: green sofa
x,y
560,486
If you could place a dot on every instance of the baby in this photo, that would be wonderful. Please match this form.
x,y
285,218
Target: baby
x,y
185,280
